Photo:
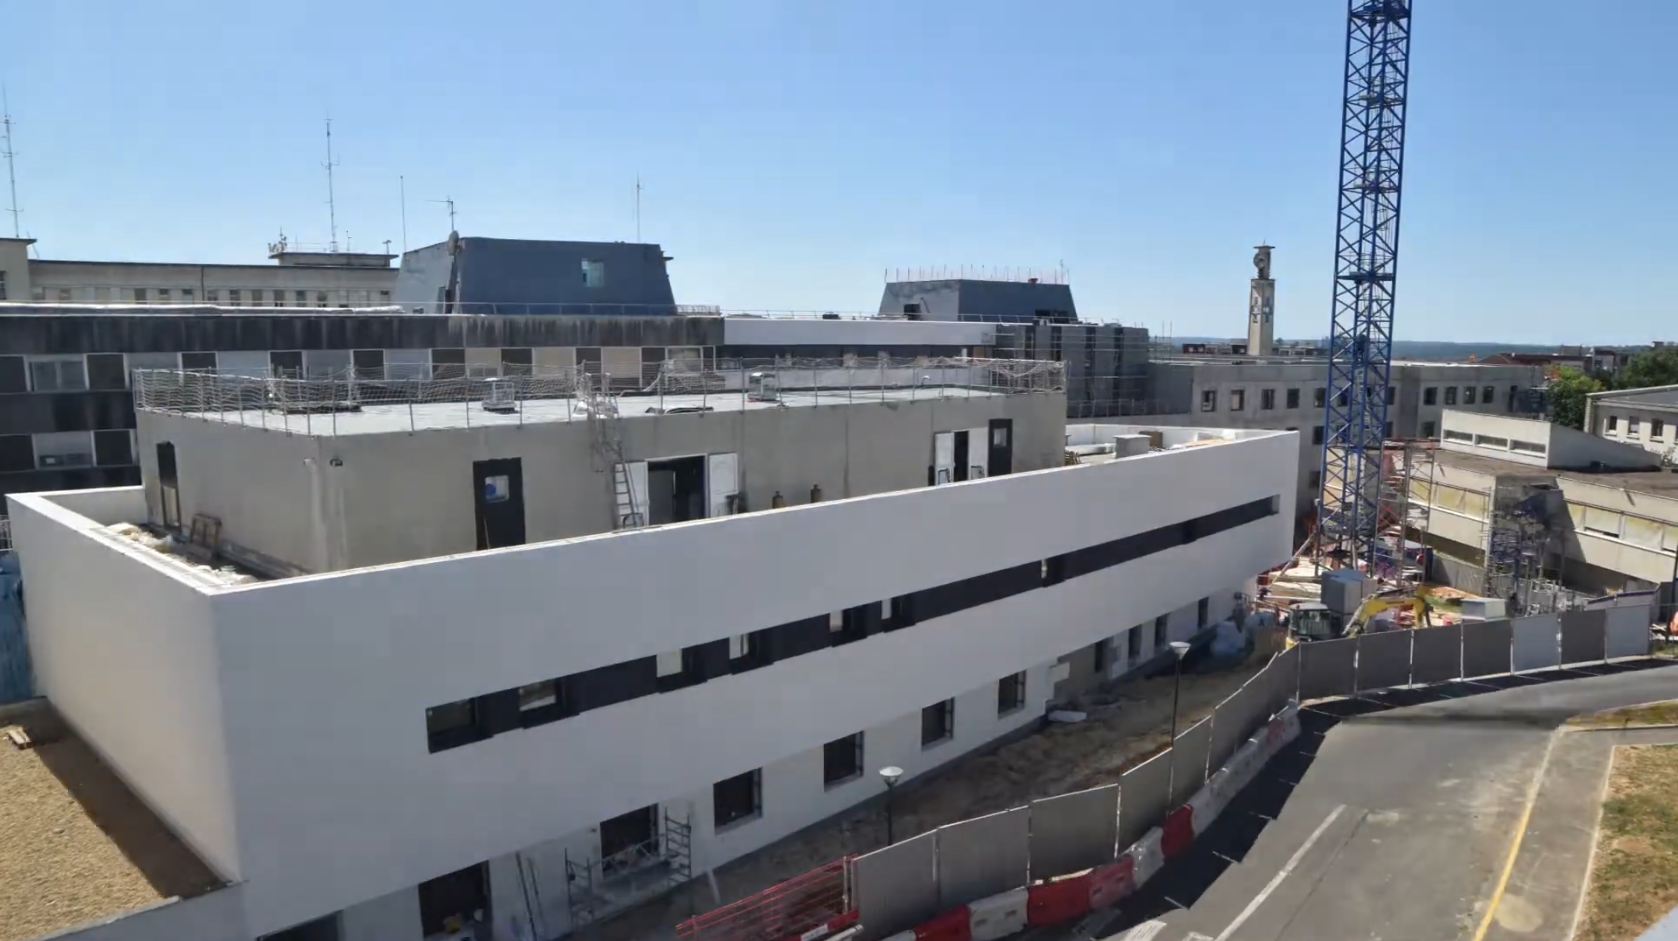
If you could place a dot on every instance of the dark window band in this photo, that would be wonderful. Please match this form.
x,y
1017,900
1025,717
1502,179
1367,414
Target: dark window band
x,y
498,712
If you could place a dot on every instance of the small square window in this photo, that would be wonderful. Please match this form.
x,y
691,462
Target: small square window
x,y
1293,398
188,295
1450,395
212,296
999,436
59,374
1468,395
1429,429
1237,400
1487,395
938,723
497,488
1317,435
300,298
594,273
64,295
1267,399
1430,395
1209,400
320,298
736,799
235,297
139,295
1657,429
1613,422
163,295
1319,397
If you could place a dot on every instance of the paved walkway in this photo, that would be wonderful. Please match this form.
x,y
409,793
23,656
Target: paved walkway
x,y
1391,818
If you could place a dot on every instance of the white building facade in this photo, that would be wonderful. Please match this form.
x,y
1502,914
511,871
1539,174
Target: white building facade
x,y
1647,418
370,745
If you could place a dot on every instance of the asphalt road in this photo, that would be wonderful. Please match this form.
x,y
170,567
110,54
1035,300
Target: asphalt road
x,y
1391,818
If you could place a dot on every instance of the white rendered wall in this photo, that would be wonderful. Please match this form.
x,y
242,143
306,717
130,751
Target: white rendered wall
x,y
335,810
126,651
884,334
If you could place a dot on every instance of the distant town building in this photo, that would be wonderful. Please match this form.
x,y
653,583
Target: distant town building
x,y
471,275
1647,418
298,278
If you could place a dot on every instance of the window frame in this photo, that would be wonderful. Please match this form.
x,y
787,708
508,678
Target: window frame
x,y
57,363
852,744
1011,689
1238,400
1430,395
719,825
1292,399
1209,400
946,721
1450,395
1267,400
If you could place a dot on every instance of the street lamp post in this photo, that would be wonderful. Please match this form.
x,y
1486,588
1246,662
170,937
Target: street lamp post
x,y
890,774
1179,650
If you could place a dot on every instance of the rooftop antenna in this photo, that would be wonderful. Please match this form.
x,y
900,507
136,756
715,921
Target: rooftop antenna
x,y
402,182
637,207
331,198
449,203
11,174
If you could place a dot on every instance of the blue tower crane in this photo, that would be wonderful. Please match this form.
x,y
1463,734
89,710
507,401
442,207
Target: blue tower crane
x,y
1365,274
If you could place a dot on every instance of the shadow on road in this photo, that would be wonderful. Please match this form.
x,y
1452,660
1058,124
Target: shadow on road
x,y
1231,837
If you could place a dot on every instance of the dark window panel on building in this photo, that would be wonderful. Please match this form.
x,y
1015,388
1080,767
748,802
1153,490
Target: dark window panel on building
x,y
113,448
106,371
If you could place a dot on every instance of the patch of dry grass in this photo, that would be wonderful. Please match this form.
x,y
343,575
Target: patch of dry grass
x,y
1634,878
1655,713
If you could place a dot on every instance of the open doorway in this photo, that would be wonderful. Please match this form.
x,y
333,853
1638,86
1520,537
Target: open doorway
x,y
628,841
450,902
676,490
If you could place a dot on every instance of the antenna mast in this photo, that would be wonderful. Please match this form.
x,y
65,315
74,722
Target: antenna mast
x,y
11,174
331,198
449,203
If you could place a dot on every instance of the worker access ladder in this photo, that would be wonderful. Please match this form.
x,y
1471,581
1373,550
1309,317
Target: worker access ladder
x,y
606,442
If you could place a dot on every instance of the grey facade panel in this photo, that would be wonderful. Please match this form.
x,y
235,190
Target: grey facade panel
x,y
1144,797
1326,668
1485,648
1537,643
1188,761
973,299
1582,636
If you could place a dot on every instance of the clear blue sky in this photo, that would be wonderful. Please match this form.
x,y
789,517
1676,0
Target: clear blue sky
x,y
791,151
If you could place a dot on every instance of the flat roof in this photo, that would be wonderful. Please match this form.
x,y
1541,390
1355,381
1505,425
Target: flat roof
x,y
76,844
1663,483
428,416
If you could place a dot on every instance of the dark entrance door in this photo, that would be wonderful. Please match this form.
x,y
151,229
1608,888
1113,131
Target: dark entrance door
x,y
499,493
961,449
1001,446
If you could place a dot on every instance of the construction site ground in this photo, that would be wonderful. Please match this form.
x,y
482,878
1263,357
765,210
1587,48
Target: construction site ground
x,y
1057,760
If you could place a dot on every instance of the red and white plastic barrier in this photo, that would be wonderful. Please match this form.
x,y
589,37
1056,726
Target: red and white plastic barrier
x,y
1071,897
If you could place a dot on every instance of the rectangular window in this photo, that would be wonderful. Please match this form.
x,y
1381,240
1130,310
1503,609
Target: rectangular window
x,y
1010,694
452,724
594,273
57,374
1101,654
1293,399
1315,480
1613,422
300,298
188,295
320,299
1161,632
1237,400
1430,395
212,296
1429,429
1450,395
1468,395
235,297
1392,395
1203,612
64,449
1657,429
537,695
1531,447
139,295
384,298
1133,644
1319,396
2,285
1387,430
938,723
1340,400
1487,395
1209,400
163,295
1632,429
1317,435
842,760
1514,393
1267,399
736,799
64,295
1451,434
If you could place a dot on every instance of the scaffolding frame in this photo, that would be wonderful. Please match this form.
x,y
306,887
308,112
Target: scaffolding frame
x,y
1517,536
1405,464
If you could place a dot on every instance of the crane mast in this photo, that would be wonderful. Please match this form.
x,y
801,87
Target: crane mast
x,y
1365,275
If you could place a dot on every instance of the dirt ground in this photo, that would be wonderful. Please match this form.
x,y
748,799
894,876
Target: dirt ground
x,y
1060,759
1634,878
1659,713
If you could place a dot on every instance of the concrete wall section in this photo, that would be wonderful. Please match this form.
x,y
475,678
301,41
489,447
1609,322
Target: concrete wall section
x,y
1485,648
1383,660
1326,668
897,887
983,856
1144,797
1074,831
1537,644
1436,654
1188,761
128,654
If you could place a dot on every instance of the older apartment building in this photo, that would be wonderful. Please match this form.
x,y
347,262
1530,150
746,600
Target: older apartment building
x,y
1647,418
505,649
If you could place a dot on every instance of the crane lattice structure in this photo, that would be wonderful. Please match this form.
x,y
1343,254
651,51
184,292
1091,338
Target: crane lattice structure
x,y
1365,272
